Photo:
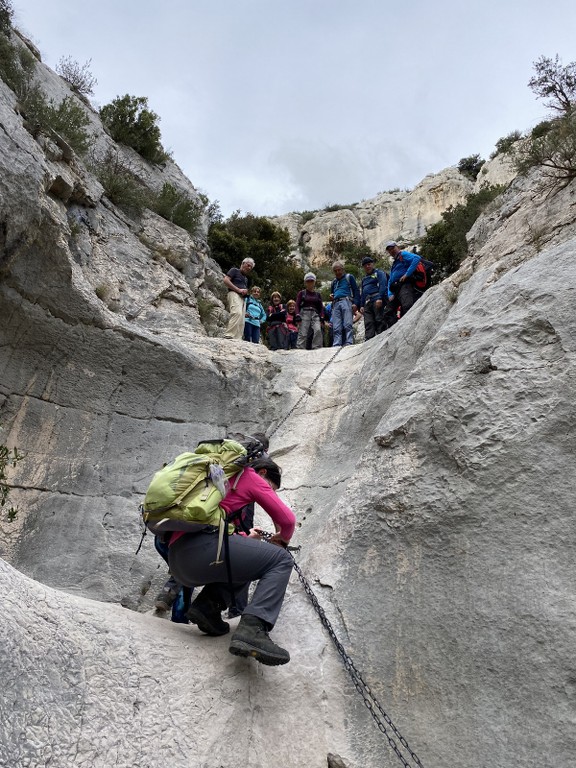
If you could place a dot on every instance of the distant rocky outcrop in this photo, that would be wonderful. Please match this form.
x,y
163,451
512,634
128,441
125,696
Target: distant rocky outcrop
x,y
398,215
431,470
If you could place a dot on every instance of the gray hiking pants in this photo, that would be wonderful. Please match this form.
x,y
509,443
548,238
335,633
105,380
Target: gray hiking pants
x,y
310,319
190,559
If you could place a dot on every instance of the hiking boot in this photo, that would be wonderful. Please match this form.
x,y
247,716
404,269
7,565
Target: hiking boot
x,y
165,599
233,613
207,615
251,639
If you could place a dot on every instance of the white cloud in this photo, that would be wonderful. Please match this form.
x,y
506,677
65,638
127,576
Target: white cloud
x,y
271,107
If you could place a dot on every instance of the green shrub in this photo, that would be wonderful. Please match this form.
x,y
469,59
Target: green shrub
x,y
130,122
239,236
505,144
68,119
177,207
445,242
6,14
16,66
551,145
554,151
334,207
205,310
555,82
78,76
470,166
121,184
350,252
544,127
306,216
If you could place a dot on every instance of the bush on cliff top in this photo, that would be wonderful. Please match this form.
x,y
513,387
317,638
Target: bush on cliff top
x,y
130,122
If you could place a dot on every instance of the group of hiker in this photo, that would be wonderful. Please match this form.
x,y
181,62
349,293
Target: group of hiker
x,y
308,322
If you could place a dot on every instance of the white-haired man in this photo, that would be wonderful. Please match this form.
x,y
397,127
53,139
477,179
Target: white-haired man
x,y
236,280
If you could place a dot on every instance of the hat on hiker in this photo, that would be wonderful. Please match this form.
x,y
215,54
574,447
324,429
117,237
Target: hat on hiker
x,y
391,244
309,276
367,260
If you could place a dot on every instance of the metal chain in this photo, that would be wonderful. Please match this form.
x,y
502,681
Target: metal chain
x,y
370,700
308,391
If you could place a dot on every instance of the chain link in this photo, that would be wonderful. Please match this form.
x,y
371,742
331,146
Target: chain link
x,y
370,701
307,392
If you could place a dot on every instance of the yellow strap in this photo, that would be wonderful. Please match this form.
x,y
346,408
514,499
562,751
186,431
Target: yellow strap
x,y
221,529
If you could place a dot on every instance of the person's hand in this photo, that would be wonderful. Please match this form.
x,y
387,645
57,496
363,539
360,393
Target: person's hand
x,y
403,279
361,310
354,308
278,540
378,303
256,533
243,291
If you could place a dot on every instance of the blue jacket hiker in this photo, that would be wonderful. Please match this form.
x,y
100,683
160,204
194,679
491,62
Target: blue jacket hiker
x,y
345,301
401,291
373,298
254,316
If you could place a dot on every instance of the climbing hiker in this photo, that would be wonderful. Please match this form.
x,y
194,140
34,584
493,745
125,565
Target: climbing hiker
x,y
172,597
236,280
243,521
401,291
254,316
311,309
373,298
193,562
345,301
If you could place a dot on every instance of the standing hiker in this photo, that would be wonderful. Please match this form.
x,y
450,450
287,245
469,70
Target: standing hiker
x,y
373,298
277,330
311,309
401,292
254,316
345,301
236,280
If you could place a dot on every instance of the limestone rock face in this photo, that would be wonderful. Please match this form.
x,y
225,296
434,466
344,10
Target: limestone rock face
x,y
401,216
431,470
133,268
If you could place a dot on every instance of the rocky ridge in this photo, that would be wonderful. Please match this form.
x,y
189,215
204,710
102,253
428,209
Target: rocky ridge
x,y
397,215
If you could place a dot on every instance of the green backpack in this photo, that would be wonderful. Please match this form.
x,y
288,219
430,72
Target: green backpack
x,y
187,492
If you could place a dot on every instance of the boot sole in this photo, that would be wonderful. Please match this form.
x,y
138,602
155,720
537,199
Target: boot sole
x,y
205,625
240,648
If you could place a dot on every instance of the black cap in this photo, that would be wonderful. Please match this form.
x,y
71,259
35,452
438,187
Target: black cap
x,y
367,260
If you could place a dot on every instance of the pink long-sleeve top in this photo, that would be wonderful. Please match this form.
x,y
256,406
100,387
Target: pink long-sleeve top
x,y
252,487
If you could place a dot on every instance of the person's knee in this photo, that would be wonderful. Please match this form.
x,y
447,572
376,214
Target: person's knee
x,y
285,561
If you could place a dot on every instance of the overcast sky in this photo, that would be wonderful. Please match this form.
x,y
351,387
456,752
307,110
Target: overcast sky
x,y
271,106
